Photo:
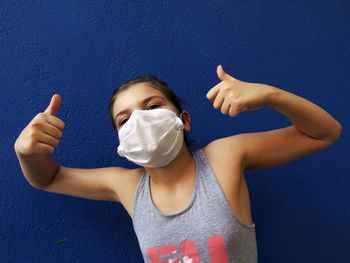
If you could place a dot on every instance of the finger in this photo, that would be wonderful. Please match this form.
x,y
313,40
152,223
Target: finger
x,y
44,148
233,111
213,93
218,101
52,131
220,72
47,139
54,105
53,120
223,75
225,107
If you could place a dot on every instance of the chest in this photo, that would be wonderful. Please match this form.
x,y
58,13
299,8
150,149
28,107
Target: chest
x,y
232,184
206,229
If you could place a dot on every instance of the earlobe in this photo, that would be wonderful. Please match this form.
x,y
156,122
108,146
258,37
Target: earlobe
x,y
187,126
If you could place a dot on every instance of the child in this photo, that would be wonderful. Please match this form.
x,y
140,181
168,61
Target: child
x,y
186,206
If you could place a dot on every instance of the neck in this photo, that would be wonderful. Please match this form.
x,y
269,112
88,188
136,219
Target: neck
x,y
175,173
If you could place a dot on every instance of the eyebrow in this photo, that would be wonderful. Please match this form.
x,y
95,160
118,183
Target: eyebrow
x,y
144,102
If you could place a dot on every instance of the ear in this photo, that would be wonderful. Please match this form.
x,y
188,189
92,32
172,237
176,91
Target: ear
x,y
186,120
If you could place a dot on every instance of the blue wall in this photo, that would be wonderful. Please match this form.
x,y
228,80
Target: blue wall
x,y
83,49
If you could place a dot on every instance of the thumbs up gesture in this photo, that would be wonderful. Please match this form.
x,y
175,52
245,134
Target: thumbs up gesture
x,y
43,132
233,96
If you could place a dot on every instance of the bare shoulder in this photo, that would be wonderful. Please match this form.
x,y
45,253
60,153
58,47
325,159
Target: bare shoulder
x,y
225,151
125,187
225,158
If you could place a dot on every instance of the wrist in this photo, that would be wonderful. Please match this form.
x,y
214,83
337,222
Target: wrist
x,y
272,94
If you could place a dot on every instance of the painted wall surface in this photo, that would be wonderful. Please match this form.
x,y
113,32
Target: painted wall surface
x,y
83,49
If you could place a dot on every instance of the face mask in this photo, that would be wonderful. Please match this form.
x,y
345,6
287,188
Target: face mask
x,y
151,138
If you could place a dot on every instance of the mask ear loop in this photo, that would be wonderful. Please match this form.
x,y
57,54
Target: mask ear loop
x,y
180,116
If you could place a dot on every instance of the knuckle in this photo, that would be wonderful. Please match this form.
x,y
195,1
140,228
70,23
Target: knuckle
x,y
226,88
239,103
36,125
231,95
33,134
31,144
40,115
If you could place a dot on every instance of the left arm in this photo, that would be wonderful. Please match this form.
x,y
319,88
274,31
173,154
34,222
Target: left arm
x,y
307,117
313,128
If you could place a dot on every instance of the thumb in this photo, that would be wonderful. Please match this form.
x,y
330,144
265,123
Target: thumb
x,y
222,74
54,105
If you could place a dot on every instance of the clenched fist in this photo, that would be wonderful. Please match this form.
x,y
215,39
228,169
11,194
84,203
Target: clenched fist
x,y
233,96
42,134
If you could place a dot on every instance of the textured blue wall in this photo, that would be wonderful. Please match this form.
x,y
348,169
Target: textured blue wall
x,y
83,49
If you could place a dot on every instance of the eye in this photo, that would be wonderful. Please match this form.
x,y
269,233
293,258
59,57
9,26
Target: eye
x,y
123,121
153,106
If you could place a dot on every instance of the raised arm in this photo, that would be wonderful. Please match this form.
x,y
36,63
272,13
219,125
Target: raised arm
x,y
39,139
313,128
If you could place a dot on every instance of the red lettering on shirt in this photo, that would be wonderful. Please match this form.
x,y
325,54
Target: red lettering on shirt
x,y
189,252
153,255
167,250
217,249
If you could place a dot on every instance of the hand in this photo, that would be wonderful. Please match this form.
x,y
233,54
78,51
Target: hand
x,y
233,96
42,134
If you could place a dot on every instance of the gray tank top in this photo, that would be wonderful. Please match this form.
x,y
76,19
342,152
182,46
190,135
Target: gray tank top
x,y
207,230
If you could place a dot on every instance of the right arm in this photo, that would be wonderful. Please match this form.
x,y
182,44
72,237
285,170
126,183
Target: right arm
x,y
39,139
43,173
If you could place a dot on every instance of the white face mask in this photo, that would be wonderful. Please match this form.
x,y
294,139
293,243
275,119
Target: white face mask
x,y
151,138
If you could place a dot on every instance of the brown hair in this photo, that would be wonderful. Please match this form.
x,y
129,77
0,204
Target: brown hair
x,y
154,82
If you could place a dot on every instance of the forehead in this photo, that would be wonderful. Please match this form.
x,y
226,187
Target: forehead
x,y
134,95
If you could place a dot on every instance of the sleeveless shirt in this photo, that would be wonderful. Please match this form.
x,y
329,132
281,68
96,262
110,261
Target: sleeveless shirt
x,y
206,230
